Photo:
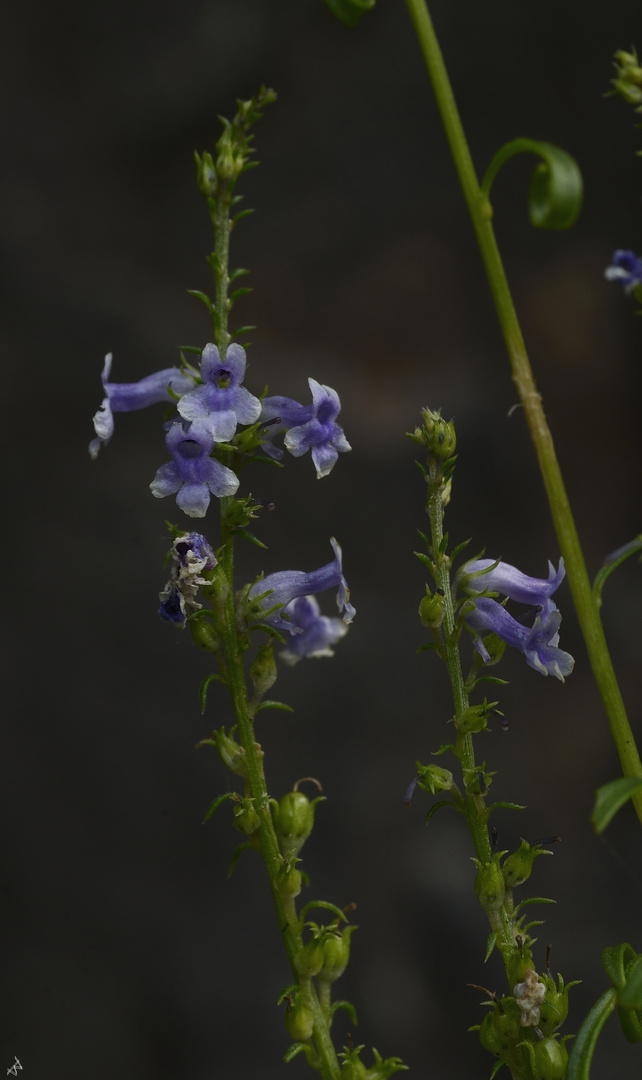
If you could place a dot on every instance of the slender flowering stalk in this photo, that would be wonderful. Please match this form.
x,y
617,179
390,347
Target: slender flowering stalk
x,y
481,215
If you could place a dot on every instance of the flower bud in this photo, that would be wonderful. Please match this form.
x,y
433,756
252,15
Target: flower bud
x,y
246,818
293,821
500,1029
353,1067
288,880
230,752
309,959
431,610
517,962
204,635
475,718
437,434
434,779
263,669
518,866
299,1019
205,174
548,1059
489,885
554,1007
336,953
628,77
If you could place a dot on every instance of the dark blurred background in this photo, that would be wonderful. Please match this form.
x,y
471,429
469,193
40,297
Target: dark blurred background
x,y
127,952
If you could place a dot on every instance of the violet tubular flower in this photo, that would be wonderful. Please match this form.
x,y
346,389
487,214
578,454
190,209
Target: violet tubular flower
x,y
127,397
221,402
192,475
280,589
483,615
308,427
626,267
312,634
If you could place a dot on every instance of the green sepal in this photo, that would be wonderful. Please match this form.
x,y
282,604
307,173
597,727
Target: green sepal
x,y
349,1008
349,11
437,806
274,705
495,1069
202,296
322,904
287,992
610,797
579,1062
236,854
533,900
381,1069
204,687
217,802
425,559
460,547
605,571
555,192
490,945
296,1048
247,535
442,749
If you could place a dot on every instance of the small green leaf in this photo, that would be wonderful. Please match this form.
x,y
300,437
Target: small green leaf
x,y
204,687
202,296
442,749
238,851
244,213
217,802
239,272
533,900
437,806
490,945
579,1062
495,1069
611,563
247,535
274,705
631,996
295,1049
323,904
349,11
506,806
610,797
287,992
349,1008
241,292
555,193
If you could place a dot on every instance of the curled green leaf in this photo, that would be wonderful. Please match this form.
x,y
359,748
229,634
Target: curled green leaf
x,y
611,563
555,193
610,797
349,11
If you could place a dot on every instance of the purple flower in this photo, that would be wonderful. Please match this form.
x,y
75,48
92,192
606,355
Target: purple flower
x,y
191,554
625,267
278,590
221,402
538,643
488,575
312,634
309,427
126,397
192,474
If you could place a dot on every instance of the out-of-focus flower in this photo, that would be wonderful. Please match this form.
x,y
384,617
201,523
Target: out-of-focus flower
x,y
127,397
312,634
626,267
308,427
221,402
279,589
192,474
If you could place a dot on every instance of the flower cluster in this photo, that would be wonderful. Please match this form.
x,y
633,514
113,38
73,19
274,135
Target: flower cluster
x,y
285,600
626,267
191,555
211,403
537,638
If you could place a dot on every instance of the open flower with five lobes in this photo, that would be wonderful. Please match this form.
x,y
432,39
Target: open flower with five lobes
x,y
308,427
280,589
311,633
221,402
539,640
127,397
192,474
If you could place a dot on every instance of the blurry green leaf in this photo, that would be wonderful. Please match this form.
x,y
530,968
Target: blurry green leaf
x,y
555,193
579,1063
610,797
349,11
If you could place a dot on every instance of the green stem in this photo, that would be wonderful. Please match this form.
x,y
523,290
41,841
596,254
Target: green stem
x,y
481,213
219,208
328,1064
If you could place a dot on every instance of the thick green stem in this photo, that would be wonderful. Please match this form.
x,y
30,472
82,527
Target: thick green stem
x,y
481,213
